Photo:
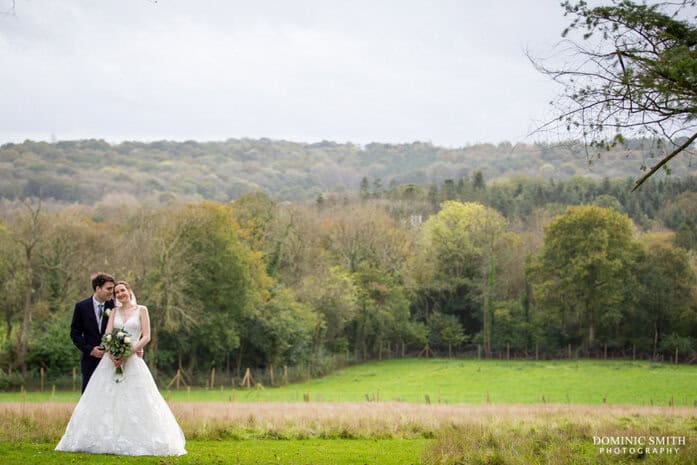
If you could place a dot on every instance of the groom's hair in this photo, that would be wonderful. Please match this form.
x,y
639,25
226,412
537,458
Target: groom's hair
x,y
100,278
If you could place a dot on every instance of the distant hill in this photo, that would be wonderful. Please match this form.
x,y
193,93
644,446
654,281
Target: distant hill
x,y
84,171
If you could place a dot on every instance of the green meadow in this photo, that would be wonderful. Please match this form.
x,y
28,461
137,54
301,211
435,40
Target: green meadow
x,y
417,411
462,381
502,382
288,452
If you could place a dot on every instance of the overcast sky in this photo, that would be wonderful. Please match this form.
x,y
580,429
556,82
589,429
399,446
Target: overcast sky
x,y
453,72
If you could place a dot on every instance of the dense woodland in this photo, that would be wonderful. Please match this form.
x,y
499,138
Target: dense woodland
x,y
86,171
366,266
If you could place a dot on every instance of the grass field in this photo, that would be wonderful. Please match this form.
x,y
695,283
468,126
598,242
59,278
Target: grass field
x,y
480,412
287,452
466,381
370,433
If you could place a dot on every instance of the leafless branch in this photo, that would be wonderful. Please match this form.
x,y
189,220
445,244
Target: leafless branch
x,y
665,160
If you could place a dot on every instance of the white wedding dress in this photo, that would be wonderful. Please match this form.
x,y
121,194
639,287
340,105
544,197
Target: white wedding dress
x,y
128,417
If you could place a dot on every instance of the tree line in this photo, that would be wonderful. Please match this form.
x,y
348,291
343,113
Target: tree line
x,y
88,171
523,268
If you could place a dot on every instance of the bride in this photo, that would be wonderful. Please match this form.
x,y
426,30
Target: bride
x,y
124,414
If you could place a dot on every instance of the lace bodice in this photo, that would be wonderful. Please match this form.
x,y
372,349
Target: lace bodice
x,y
132,323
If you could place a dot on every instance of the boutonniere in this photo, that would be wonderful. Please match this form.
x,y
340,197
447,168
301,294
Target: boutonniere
x,y
107,312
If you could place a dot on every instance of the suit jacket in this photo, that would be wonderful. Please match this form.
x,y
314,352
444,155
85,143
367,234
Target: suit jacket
x,y
84,330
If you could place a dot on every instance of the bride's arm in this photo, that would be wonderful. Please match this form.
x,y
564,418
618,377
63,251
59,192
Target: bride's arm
x,y
145,329
109,329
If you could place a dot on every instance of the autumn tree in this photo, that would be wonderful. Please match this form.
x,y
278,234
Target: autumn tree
x,y
281,331
229,283
584,276
254,213
333,294
74,246
293,246
455,266
667,296
364,234
74,242
28,226
163,270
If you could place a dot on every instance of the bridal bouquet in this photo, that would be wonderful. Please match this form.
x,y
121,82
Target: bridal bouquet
x,y
118,344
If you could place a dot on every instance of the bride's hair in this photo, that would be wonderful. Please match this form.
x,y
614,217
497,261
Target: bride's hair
x,y
128,286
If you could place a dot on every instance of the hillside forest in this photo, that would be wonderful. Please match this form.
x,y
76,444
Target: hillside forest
x,y
264,255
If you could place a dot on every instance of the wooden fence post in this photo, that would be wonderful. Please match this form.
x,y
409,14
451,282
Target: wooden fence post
x,y
247,380
178,379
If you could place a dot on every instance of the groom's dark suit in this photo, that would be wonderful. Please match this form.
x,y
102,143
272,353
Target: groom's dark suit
x,y
86,334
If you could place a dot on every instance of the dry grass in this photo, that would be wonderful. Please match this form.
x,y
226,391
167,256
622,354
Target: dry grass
x,y
567,438
45,422
483,434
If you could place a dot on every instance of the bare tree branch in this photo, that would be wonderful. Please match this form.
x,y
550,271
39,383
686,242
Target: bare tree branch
x,y
631,73
665,160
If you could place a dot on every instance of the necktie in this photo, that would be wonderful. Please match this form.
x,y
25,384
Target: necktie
x,y
100,307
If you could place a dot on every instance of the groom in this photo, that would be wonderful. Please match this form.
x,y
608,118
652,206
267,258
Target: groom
x,y
89,322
